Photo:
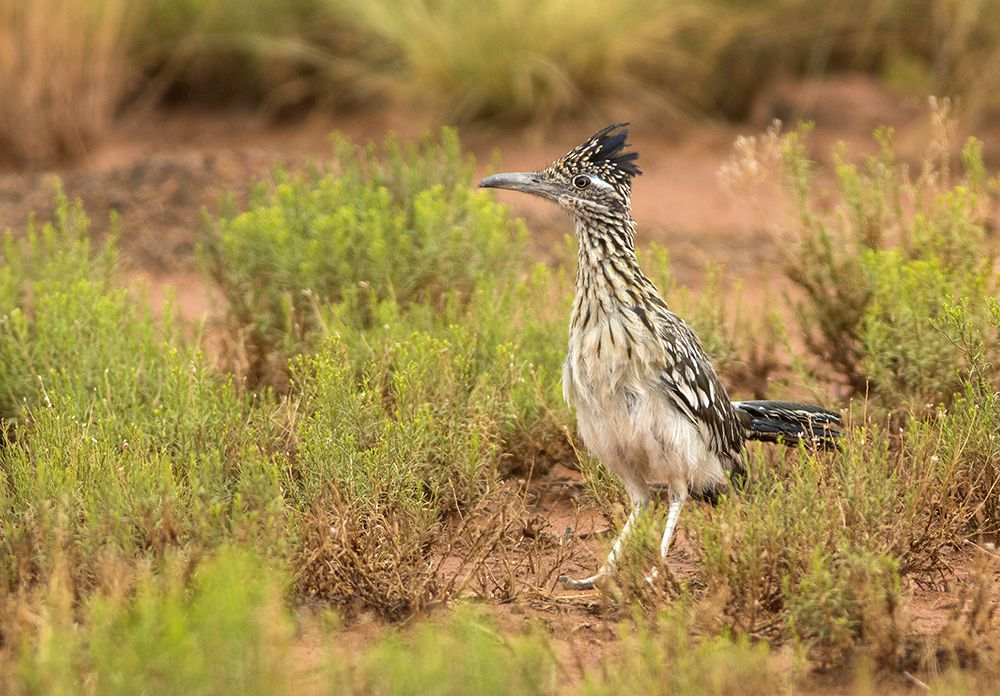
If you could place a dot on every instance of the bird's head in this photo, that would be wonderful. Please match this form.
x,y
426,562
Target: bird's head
x,y
594,178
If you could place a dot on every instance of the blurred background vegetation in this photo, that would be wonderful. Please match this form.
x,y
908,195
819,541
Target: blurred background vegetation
x,y
70,67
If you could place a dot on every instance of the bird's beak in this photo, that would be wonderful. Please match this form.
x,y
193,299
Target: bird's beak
x,y
528,182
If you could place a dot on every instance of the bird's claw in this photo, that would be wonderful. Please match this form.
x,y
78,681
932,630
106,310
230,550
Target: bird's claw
x,y
585,584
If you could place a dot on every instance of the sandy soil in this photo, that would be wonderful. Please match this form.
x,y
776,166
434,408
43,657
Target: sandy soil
x,y
160,170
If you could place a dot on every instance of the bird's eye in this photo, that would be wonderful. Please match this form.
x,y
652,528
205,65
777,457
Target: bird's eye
x,y
581,182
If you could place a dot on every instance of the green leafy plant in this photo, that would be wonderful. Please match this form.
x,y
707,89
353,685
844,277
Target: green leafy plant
x,y
878,270
407,227
121,441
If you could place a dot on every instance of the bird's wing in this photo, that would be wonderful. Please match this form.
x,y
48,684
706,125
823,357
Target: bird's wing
x,y
689,380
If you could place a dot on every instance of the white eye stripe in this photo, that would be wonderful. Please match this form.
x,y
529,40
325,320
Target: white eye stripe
x,y
599,183
584,181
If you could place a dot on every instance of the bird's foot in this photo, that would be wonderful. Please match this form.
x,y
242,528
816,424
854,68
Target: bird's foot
x,y
652,576
661,578
585,584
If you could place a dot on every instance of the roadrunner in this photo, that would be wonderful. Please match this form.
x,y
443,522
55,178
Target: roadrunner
x,y
648,402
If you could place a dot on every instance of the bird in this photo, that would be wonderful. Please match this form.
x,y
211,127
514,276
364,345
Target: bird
x,y
648,401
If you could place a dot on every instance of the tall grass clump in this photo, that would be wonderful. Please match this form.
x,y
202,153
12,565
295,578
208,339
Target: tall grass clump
x,y
263,51
70,67
510,60
514,60
65,67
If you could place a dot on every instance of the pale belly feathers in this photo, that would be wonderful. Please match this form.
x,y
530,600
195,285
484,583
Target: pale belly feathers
x,y
626,419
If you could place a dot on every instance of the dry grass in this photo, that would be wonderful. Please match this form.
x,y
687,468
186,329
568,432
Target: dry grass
x,y
67,66
64,67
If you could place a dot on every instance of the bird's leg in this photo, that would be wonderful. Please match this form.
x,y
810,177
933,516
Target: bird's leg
x,y
673,513
616,551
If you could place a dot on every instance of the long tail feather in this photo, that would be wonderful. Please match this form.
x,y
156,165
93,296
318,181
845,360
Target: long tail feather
x,y
791,423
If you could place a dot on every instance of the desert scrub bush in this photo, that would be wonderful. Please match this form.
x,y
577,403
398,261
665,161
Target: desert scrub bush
x,y
968,430
206,631
386,246
663,656
407,227
463,654
65,69
878,270
424,414
58,252
824,542
124,443
382,456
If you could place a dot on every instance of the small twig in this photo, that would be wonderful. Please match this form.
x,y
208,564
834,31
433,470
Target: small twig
x,y
916,682
991,554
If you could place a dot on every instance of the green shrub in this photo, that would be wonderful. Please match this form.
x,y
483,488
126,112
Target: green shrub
x,y
906,351
407,227
53,255
385,453
879,268
385,247
852,598
879,512
422,422
662,657
217,634
897,284
464,654
124,441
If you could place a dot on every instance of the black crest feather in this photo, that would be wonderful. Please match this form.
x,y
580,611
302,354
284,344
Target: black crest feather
x,y
611,143
604,153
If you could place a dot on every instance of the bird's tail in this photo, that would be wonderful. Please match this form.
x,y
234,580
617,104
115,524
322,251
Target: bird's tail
x,y
790,423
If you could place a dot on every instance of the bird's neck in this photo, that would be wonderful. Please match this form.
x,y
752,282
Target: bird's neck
x,y
608,276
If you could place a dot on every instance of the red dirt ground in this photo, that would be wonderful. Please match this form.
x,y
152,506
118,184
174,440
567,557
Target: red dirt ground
x,y
158,171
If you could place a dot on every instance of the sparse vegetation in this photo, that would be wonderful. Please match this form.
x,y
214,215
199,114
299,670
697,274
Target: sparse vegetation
x,y
887,271
189,528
